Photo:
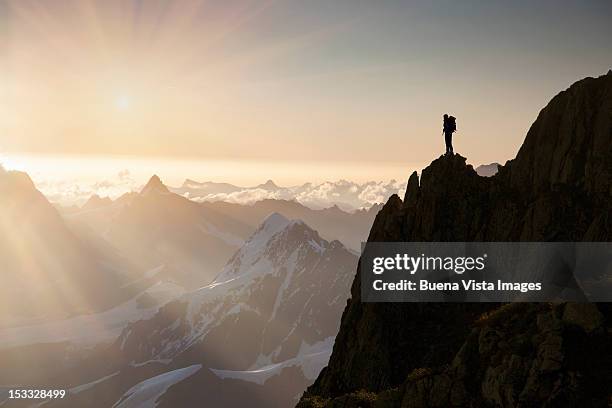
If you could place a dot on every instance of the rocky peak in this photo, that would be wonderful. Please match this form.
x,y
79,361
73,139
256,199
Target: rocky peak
x,y
272,224
16,182
447,174
297,233
275,239
570,143
154,186
268,185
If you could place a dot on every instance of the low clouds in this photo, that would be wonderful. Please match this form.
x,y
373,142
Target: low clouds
x,y
246,196
345,194
379,192
72,192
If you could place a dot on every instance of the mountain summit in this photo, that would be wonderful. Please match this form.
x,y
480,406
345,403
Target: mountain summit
x,y
521,354
154,185
269,186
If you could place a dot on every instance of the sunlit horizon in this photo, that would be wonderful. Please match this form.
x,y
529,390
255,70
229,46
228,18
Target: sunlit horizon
x,y
286,81
71,179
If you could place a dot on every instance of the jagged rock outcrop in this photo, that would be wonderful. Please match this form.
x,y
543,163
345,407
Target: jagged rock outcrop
x,y
438,355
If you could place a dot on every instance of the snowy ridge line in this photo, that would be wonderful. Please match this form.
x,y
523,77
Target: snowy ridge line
x,y
309,364
146,393
250,262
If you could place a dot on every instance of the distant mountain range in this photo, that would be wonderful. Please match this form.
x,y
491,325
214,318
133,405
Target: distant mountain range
x,y
346,195
124,259
194,240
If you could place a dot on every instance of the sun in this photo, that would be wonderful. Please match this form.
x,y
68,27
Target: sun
x,y
123,102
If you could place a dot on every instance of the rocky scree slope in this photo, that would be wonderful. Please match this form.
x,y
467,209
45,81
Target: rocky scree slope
x,y
558,188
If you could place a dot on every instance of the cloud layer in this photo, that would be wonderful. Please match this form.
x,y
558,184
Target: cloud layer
x,y
345,194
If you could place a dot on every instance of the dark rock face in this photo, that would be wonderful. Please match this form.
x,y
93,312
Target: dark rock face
x,y
569,143
437,355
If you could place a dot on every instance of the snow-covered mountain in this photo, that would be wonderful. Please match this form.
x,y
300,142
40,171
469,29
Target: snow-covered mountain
x,y
259,329
280,290
257,335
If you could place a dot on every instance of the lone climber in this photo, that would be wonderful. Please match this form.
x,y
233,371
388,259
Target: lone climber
x,y
450,126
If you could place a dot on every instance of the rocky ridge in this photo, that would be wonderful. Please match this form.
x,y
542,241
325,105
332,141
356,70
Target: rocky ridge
x,y
558,188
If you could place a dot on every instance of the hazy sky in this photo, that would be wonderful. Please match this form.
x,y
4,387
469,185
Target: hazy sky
x,y
288,80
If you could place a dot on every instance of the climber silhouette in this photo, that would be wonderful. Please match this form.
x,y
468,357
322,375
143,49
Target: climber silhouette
x,y
450,126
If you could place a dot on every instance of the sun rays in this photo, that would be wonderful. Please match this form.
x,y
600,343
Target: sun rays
x,y
125,77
